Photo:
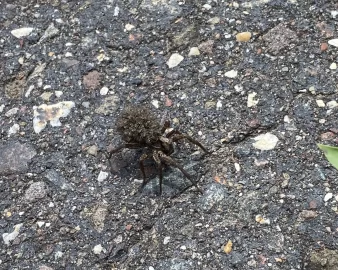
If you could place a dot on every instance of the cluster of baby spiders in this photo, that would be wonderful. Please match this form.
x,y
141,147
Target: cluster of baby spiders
x,y
140,129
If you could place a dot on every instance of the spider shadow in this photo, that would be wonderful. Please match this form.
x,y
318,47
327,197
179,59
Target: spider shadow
x,y
126,166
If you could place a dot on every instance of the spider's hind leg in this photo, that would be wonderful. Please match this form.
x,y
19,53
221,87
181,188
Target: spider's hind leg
x,y
141,163
156,156
170,161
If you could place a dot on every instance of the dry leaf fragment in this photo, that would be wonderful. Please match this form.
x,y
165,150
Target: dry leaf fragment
x,y
228,247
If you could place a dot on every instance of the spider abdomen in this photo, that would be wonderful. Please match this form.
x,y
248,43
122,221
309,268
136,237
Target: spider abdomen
x,y
139,125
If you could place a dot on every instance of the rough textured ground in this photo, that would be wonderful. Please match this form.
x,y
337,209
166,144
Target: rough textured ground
x,y
62,208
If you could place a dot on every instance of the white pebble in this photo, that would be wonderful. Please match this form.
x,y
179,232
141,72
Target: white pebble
x,y
231,74
68,54
333,42
155,103
320,103
30,88
129,27
183,247
252,102
174,60
58,93
97,249
21,32
218,104
21,60
13,129
40,223
332,104
194,51
166,240
116,11
11,112
328,197
333,66
102,176
104,91
287,119
266,141
7,237
334,13
207,6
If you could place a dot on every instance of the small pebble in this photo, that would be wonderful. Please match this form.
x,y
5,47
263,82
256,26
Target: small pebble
x,y
46,96
332,104
155,103
92,150
333,42
252,102
97,249
8,237
194,51
102,176
320,103
308,214
328,197
21,32
40,223
324,46
129,27
85,104
243,37
104,91
11,112
174,60
13,129
231,74
207,6
333,66
58,93
218,105
261,220
166,240
266,141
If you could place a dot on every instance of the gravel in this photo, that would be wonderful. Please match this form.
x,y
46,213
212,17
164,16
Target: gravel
x,y
254,81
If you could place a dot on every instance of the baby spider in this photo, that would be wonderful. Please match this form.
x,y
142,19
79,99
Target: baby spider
x,y
139,128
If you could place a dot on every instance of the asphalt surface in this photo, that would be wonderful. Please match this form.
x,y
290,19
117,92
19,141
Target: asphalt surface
x,y
255,82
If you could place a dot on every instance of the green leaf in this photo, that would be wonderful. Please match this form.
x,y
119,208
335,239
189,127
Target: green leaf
x,y
331,153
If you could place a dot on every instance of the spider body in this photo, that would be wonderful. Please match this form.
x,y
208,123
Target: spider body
x,y
140,129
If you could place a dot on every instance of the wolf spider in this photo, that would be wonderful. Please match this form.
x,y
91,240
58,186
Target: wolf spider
x,y
140,129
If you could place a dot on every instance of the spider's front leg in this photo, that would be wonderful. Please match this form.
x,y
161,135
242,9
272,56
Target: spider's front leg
x,y
109,154
170,161
176,135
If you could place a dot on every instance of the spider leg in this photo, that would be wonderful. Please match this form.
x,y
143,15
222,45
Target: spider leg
x,y
165,126
109,154
176,135
170,161
183,190
141,162
156,156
